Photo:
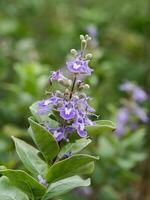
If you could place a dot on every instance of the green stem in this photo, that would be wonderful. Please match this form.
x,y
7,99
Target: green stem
x,y
73,85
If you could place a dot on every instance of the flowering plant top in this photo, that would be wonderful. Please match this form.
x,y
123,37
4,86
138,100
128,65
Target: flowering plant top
x,y
72,105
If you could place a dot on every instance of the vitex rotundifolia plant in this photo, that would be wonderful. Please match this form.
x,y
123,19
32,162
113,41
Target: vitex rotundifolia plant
x,y
61,126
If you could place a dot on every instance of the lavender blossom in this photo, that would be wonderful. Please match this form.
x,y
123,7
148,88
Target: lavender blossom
x,y
131,112
139,95
122,119
79,66
127,87
67,111
140,113
92,30
58,133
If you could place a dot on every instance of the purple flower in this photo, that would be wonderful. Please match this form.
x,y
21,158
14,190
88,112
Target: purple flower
x,y
127,87
141,114
122,119
80,126
120,129
92,30
67,111
79,66
139,95
123,115
58,133
44,106
56,75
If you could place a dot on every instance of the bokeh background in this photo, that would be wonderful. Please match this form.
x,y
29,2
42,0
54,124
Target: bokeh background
x,y
35,39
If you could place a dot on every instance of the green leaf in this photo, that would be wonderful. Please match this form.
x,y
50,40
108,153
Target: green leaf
x,y
45,141
69,167
63,186
10,192
30,158
101,126
74,147
25,182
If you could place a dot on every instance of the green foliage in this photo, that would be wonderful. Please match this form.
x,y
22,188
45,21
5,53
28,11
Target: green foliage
x,y
47,144
75,147
69,167
9,192
30,158
24,182
100,127
65,185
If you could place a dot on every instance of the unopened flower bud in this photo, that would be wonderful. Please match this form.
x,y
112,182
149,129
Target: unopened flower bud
x,y
82,37
88,56
83,95
74,52
67,92
86,86
66,82
58,94
87,37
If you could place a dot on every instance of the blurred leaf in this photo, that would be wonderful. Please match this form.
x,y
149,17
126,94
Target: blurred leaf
x,y
24,182
9,192
108,192
68,167
106,147
100,127
30,158
75,147
63,186
44,140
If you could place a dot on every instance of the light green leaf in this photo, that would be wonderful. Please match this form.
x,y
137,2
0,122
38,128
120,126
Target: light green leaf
x,y
45,141
30,158
10,192
25,182
69,167
75,147
101,126
63,186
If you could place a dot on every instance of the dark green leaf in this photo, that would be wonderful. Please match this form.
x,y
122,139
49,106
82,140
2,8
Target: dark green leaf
x,y
10,192
69,167
45,141
63,186
29,157
101,126
75,147
25,182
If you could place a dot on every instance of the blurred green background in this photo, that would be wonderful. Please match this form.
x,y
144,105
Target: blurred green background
x,y
36,37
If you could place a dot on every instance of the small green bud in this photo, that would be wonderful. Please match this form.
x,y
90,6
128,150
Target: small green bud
x,y
82,95
58,94
86,86
74,52
89,56
82,37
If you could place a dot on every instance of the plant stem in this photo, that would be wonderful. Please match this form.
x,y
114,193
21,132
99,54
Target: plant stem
x,y
73,84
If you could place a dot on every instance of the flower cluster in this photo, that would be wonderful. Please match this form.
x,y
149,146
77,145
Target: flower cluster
x,y
70,106
131,112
